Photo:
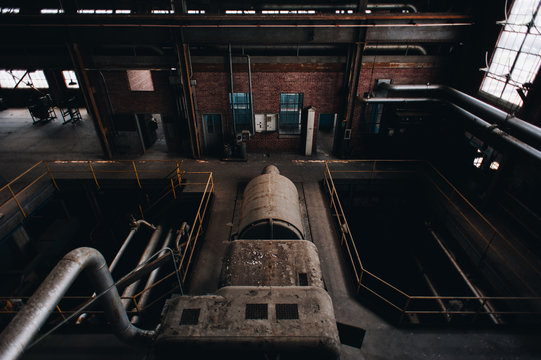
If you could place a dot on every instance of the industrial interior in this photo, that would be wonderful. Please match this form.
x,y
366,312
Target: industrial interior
x,y
270,180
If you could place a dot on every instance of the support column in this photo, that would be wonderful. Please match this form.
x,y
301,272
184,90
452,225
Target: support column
x,y
188,95
86,89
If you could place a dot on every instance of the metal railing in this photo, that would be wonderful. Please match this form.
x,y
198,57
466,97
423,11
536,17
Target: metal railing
x,y
490,239
47,173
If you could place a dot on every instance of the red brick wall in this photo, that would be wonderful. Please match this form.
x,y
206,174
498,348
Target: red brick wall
x,y
123,100
321,90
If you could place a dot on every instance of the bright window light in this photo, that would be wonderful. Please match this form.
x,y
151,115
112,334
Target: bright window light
x,y
52,11
8,79
86,11
10,10
123,11
196,11
478,161
162,12
494,165
70,79
104,11
517,56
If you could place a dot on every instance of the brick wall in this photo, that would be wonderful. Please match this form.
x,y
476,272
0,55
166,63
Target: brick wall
x,y
321,90
123,100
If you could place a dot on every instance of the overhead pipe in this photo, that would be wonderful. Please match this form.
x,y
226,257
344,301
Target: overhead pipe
x,y
489,128
481,108
151,279
346,6
130,291
396,47
24,326
486,304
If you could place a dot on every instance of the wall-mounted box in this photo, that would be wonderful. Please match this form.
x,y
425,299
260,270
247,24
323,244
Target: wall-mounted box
x,y
266,122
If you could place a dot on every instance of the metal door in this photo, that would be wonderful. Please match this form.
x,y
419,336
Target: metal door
x,y
212,124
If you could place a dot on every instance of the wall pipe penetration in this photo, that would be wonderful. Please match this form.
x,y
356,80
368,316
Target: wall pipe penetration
x,y
24,326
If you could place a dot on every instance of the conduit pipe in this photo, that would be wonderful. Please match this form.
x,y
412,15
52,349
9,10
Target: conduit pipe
x,y
478,107
151,279
130,291
394,47
20,331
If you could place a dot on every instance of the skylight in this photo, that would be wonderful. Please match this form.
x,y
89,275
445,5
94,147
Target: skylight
x,y
517,56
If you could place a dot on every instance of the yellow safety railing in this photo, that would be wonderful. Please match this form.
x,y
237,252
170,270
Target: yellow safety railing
x,y
47,173
477,224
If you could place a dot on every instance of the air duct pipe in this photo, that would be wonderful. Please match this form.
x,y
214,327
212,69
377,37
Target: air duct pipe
x,y
478,107
20,331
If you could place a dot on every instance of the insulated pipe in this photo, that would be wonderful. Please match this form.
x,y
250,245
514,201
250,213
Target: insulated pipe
x,y
20,331
151,279
470,103
271,169
487,305
149,250
394,47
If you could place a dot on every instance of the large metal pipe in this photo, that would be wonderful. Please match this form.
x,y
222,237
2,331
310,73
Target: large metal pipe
x,y
149,250
151,279
478,107
487,127
485,304
33,315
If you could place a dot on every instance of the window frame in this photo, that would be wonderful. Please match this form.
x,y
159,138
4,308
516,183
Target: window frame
x,y
242,110
290,110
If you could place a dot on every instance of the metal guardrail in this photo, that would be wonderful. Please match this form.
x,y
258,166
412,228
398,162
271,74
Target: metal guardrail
x,y
170,170
478,224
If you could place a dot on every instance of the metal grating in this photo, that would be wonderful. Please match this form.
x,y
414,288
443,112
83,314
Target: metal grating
x,y
256,311
190,317
303,279
287,312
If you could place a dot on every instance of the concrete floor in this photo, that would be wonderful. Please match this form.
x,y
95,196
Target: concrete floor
x,y
23,144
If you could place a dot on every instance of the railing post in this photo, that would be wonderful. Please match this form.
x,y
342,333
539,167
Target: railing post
x,y
51,176
405,310
17,201
179,177
173,189
93,174
136,175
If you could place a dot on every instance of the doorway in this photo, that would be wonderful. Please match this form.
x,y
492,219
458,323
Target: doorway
x,y
325,134
212,126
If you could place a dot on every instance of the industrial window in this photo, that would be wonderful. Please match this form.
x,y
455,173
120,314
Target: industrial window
x,y
517,55
70,79
290,113
10,10
11,78
242,111
140,80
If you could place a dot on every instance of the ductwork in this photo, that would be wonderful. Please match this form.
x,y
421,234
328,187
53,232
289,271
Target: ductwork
x,y
517,127
393,47
20,331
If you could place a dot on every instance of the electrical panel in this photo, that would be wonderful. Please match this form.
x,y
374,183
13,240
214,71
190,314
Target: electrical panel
x,y
265,122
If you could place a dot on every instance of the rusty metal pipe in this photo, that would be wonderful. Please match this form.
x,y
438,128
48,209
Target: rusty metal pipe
x,y
20,331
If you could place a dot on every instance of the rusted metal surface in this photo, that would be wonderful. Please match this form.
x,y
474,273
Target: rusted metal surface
x,y
20,331
271,209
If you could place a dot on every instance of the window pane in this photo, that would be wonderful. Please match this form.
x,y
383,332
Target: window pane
x,y
70,79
